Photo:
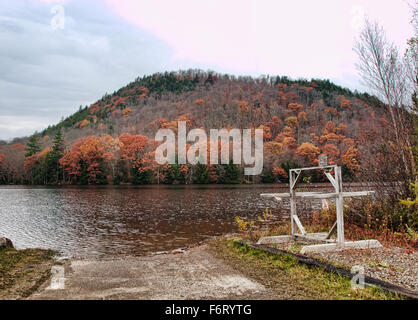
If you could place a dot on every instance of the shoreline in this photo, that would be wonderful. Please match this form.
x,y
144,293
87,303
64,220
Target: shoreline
x,y
213,269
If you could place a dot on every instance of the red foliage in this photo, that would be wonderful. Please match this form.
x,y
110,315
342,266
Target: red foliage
x,y
18,146
280,173
345,103
2,156
132,147
200,102
89,151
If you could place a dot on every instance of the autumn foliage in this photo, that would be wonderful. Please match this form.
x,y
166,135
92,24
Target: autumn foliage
x,y
111,141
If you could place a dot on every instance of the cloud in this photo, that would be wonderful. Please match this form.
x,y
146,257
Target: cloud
x,y
47,74
13,126
296,38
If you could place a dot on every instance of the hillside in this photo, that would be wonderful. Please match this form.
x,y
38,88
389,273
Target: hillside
x,y
301,119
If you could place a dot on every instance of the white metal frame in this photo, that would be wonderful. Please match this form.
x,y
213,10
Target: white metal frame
x,y
338,195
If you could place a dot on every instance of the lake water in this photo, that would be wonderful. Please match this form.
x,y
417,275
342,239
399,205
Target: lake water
x,y
126,220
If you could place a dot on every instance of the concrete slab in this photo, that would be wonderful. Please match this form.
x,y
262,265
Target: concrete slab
x,y
313,237
194,274
329,247
276,239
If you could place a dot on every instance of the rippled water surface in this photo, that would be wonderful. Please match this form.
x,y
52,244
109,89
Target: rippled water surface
x,y
108,221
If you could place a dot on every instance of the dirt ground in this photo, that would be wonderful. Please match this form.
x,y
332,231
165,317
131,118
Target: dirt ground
x,y
193,274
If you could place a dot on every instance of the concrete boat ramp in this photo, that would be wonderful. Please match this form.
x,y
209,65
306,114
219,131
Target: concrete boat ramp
x,y
193,274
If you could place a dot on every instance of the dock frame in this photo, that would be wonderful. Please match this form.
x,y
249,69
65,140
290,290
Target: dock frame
x,y
338,226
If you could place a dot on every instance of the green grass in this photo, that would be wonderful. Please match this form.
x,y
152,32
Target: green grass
x,y
289,278
23,271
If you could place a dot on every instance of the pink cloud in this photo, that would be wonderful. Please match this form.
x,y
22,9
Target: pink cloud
x,y
298,38
54,1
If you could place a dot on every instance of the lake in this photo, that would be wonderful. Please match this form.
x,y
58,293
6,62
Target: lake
x,y
126,220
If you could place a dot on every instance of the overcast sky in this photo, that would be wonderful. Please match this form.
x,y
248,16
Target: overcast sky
x,y
48,69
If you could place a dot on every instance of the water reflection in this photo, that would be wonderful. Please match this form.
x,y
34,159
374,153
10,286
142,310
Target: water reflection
x,y
108,221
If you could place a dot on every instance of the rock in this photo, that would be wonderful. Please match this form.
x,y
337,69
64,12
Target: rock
x,y
178,251
5,243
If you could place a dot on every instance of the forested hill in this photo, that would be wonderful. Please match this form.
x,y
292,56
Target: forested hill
x,y
301,119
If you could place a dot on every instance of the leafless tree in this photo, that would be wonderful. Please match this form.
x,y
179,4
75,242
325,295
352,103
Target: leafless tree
x,y
386,73
411,56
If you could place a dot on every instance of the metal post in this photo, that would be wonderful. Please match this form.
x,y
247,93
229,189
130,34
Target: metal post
x,y
292,202
339,207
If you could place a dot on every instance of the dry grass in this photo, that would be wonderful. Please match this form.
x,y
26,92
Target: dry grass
x,y
288,278
23,271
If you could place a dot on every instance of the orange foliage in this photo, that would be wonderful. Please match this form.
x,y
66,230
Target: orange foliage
x,y
314,137
281,85
127,111
342,128
156,124
332,111
345,103
292,122
132,147
290,142
309,152
33,160
200,102
302,116
2,156
291,96
307,89
173,125
89,151
332,151
295,107
287,132
119,100
266,132
275,148
243,106
330,137
143,91
274,125
84,123
348,142
383,122
329,128
279,173
351,158
94,108
94,118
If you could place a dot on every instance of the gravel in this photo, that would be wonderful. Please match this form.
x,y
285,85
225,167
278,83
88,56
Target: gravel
x,y
393,265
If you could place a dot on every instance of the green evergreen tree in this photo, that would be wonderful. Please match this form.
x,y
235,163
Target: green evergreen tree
x,y
58,146
267,176
231,174
141,177
172,174
33,146
53,169
201,174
